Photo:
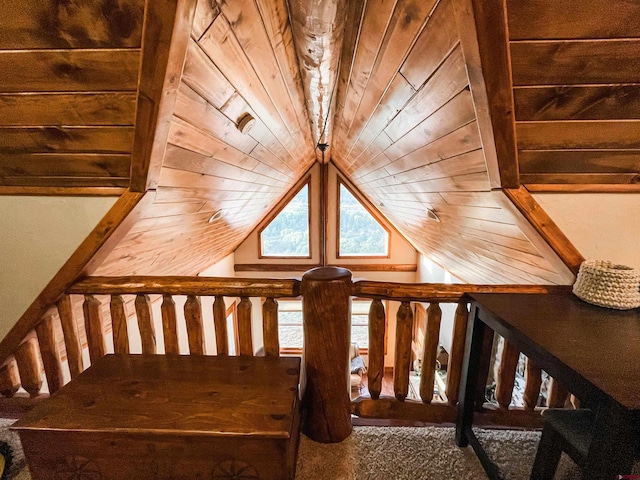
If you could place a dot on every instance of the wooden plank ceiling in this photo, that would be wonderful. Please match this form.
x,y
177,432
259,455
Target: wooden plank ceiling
x,y
385,83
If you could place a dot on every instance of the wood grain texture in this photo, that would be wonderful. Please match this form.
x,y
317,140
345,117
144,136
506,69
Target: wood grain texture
x,y
9,378
506,374
169,325
430,351
220,326
456,355
145,323
93,328
119,325
402,361
270,327
533,375
70,333
245,339
27,357
195,327
45,332
377,327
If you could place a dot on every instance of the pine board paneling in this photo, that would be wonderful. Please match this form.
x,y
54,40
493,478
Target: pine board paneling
x,y
66,139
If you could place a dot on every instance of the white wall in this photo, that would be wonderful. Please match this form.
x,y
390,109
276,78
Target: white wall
x,y
602,226
37,236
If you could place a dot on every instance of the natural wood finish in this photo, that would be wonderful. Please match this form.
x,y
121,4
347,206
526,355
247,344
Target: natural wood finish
x,y
270,327
195,327
169,325
483,37
245,340
402,359
430,351
456,355
237,413
325,307
70,334
49,353
523,200
557,394
377,326
220,325
119,325
506,374
165,40
354,267
389,407
533,381
203,286
9,378
145,323
27,357
93,327
101,239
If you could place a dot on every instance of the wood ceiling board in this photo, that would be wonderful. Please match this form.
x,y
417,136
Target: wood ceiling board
x,y
33,24
66,139
499,241
65,165
578,135
468,182
371,158
610,102
456,113
581,178
176,178
83,109
579,161
61,181
220,44
575,62
271,66
189,194
69,70
206,13
567,19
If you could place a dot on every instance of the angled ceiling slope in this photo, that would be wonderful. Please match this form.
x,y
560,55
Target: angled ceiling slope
x,y
407,118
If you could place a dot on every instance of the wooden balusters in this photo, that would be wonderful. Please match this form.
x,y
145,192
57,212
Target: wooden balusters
x,y
70,332
119,325
506,374
245,339
558,394
49,353
270,328
9,378
326,303
430,351
93,327
533,381
375,372
170,325
195,328
28,360
145,324
404,332
220,325
456,356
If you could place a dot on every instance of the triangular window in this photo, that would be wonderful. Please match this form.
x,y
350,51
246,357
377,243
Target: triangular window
x,y
287,235
359,233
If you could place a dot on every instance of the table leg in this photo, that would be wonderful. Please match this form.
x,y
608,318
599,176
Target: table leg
x,y
469,378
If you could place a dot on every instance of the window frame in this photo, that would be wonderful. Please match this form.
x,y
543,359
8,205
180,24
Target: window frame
x,y
369,210
278,211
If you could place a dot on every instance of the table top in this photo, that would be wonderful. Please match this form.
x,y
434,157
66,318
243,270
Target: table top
x,y
597,346
185,394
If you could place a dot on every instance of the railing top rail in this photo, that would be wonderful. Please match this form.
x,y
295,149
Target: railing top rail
x,y
441,292
179,285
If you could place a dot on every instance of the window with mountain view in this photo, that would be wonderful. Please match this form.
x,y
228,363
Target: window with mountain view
x,y
360,234
287,235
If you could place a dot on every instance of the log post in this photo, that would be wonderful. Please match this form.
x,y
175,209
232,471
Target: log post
x,y
195,327
28,360
557,394
506,375
145,323
70,333
220,325
270,327
49,353
402,363
456,356
376,348
9,378
93,327
533,381
245,340
170,325
119,325
326,308
430,352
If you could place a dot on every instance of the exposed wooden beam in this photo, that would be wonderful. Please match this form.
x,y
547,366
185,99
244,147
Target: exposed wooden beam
x,y
71,191
167,28
96,246
584,188
482,27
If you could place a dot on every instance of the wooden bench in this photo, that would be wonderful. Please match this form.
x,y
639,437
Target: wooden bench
x,y
169,416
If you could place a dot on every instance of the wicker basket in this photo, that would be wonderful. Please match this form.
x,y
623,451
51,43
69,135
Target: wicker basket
x,y
608,285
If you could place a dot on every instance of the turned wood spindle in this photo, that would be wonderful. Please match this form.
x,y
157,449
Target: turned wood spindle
x,y
375,372
456,356
28,360
245,340
533,381
93,327
119,325
9,378
195,327
506,374
326,308
145,324
402,366
50,354
270,328
430,352
170,325
220,325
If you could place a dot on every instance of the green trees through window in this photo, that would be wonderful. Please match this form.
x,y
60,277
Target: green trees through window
x,y
288,233
360,233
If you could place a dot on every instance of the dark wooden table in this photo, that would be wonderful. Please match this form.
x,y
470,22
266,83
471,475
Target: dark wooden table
x,y
169,416
594,352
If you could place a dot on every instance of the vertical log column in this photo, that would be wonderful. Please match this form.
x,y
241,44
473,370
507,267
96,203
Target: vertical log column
x,y
326,306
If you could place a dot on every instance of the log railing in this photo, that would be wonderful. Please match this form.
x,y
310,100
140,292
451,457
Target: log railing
x,y
56,344
97,315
